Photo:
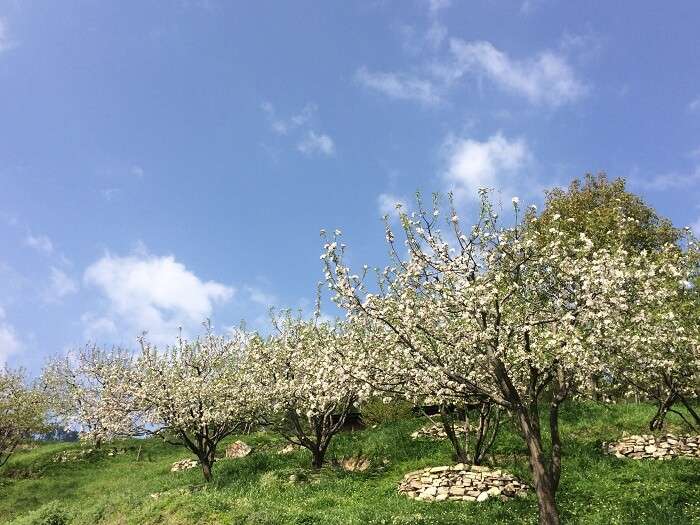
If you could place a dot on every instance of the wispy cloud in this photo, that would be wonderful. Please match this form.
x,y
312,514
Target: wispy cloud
x,y
545,79
672,180
694,105
399,86
61,285
9,341
316,144
6,42
283,126
391,205
41,243
301,125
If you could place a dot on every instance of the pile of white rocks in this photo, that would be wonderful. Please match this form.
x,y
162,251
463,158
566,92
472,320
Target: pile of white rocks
x,y
461,483
647,446
184,464
238,449
437,431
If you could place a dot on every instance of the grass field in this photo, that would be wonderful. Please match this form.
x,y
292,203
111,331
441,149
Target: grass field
x,y
98,488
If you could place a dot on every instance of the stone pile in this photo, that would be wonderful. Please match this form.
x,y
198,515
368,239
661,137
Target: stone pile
x,y
184,464
437,431
239,449
647,446
355,464
289,449
461,483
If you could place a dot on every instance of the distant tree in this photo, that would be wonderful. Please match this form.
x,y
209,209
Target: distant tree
x,y
22,411
79,386
306,391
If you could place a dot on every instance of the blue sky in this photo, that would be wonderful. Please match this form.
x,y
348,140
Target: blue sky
x,y
165,162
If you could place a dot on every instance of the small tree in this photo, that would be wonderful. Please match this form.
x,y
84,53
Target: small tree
x,y
531,316
79,386
22,411
307,392
193,394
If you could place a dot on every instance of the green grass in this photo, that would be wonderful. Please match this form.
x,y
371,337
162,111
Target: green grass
x,y
101,489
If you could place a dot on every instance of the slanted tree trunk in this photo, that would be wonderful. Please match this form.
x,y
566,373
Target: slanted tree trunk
x,y
691,411
664,405
448,426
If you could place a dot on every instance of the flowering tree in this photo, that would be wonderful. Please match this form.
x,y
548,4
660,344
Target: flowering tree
x,y
306,390
387,368
192,394
667,364
22,411
505,313
82,389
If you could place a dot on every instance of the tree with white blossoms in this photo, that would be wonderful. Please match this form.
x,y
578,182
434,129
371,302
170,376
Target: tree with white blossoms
x,y
306,390
191,394
194,393
81,387
524,320
387,368
22,411
667,363
667,366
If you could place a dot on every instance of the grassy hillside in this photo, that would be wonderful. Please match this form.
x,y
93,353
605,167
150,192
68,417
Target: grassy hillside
x,y
117,489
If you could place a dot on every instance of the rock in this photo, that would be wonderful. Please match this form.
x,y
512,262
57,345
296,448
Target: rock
x,y
288,449
355,464
184,464
483,497
239,449
651,447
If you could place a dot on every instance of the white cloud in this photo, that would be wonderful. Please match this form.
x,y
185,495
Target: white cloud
x,y
399,86
546,79
316,143
137,171
387,204
696,227
261,298
9,342
40,243
147,292
61,285
284,126
694,105
5,41
494,163
672,181
437,5
110,193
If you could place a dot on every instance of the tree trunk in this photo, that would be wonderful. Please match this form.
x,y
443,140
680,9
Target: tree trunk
x,y
206,469
457,445
657,422
691,411
548,513
318,455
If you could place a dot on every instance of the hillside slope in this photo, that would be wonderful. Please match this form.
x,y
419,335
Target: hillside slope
x,y
134,485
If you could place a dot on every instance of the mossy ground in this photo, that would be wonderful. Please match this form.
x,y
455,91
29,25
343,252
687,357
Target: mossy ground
x,y
102,489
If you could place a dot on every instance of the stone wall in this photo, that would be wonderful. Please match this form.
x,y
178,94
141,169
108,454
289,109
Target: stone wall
x,y
461,483
647,446
437,432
